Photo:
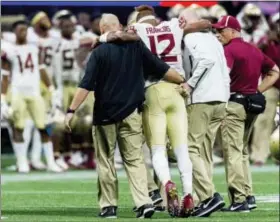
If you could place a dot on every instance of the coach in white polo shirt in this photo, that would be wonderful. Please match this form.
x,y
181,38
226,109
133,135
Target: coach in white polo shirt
x,y
209,92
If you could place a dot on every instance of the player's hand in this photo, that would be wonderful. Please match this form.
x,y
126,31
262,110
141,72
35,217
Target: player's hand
x,y
67,121
95,41
6,111
184,89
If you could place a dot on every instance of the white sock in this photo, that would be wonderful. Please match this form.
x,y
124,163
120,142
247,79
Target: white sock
x,y
48,151
36,149
185,167
160,163
20,152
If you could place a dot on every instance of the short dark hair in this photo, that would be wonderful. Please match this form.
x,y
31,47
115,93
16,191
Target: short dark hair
x,y
20,22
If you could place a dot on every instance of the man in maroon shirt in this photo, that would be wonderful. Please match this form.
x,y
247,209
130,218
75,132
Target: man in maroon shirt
x,y
246,64
265,122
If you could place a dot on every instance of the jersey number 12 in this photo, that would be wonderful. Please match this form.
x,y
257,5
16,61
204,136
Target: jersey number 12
x,y
164,55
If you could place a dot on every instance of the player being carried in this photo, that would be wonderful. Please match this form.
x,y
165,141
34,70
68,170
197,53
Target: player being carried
x,y
164,108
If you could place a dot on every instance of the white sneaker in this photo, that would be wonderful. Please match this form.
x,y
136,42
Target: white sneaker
x,y
23,166
54,168
38,165
76,159
61,163
217,160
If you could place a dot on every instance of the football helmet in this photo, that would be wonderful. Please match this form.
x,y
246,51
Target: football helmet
x,y
274,145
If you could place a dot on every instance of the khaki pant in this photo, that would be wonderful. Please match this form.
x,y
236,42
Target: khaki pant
x,y
263,127
128,134
204,121
23,106
236,131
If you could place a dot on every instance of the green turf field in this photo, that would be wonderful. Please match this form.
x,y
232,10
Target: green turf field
x,y
72,196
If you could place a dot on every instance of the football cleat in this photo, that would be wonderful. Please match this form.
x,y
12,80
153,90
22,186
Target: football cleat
x,y
38,165
61,163
23,167
187,206
173,206
76,159
54,168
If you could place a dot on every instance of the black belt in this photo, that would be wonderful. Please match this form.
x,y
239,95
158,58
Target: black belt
x,y
239,98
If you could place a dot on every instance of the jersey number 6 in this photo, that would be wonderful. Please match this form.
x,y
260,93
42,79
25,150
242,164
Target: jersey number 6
x,y
164,55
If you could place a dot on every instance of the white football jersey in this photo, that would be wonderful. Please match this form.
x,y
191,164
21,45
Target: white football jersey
x,y
164,40
24,69
66,67
46,46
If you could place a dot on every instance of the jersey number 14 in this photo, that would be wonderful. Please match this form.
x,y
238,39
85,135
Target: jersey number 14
x,y
164,55
28,64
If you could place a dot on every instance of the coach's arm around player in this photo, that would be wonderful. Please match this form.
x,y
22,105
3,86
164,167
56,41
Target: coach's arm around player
x,y
116,73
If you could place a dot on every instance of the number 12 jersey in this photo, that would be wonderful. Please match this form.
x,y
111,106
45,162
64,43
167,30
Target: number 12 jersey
x,y
163,40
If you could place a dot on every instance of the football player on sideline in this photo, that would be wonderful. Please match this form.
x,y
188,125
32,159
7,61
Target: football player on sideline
x,y
27,70
67,75
164,108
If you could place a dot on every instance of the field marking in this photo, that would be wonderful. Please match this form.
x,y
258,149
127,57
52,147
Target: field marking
x,y
44,176
261,198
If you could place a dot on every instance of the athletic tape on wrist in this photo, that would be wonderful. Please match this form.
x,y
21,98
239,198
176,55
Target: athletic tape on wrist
x,y
5,72
42,66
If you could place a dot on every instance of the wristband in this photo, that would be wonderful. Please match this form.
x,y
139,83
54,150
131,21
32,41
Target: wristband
x,y
5,72
42,66
70,110
103,38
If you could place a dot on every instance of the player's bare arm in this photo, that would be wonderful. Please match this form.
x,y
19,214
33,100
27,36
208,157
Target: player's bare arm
x,y
5,70
270,78
173,76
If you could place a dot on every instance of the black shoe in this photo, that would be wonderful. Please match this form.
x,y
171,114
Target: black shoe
x,y
237,207
146,211
209,206
155,196
251,202
108,212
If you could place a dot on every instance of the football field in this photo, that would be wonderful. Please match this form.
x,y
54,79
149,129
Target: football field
x,y
72,196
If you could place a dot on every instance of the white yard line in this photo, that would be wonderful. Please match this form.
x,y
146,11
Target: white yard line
x,y
261,198
44,176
